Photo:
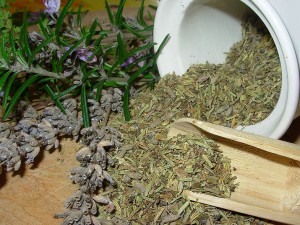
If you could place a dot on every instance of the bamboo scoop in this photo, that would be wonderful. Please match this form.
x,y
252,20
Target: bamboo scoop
x,y
267,170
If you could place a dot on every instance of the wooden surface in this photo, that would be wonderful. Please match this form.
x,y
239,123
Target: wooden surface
x,y
35,193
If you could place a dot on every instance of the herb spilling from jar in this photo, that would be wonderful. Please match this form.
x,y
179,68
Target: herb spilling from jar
x,y
153,171
242,91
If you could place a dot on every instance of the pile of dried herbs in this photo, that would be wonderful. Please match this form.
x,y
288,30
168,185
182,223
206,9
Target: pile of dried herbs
x,y
242,91
152,171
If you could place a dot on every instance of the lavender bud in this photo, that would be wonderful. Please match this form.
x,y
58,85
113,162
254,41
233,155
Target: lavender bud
x,y
128,62
84,54
52,6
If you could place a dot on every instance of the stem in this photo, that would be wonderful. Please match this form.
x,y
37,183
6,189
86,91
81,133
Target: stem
x,y
17,68
45,73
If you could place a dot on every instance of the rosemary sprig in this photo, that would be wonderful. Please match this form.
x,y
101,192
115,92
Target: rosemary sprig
x,y
66,54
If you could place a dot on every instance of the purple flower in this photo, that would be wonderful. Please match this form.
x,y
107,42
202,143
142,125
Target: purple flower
x,y
52,6
52,11
84,54
129,61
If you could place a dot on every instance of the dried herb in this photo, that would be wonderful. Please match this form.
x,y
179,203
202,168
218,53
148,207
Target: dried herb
x,y
242,91
152,171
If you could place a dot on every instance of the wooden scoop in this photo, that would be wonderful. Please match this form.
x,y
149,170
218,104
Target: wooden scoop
x,y
267,170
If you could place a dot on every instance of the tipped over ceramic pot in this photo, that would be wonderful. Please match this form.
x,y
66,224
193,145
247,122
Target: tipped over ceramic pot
x,y
203,30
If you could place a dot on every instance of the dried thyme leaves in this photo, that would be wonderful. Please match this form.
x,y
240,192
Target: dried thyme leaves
x,y
152,171
245,89
153,175
242,91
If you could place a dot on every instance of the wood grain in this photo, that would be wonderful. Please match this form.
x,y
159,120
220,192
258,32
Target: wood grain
x,y
35,193
267,171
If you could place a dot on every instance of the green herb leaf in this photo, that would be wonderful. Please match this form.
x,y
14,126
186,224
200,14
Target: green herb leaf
x,y
12,45
149,76
152,83
109,13
133,31
99,90
18,94
141,48
87,74
3,50
148,28
119,14
140,15
71,49
101,37
126,104
67,91
91,33
39,48
46,79
54,98
114,83
7,90
139,72
79,14
112,68
3,78
163,43
121,49
60,20
84,107
154,7
150,16
24,36
21,59
43,28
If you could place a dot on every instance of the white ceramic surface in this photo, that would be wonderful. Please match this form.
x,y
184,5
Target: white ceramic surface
x,y
202,30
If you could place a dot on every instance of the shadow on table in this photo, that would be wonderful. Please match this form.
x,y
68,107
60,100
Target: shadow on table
x,y
293,133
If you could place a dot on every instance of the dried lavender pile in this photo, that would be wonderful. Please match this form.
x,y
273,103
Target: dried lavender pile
x,y
36,131
242,91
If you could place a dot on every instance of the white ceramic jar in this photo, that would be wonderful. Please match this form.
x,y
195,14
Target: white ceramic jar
x,y
202,30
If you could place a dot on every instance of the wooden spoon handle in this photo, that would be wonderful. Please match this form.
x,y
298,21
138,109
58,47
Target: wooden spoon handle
x,y
186,125
227,203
